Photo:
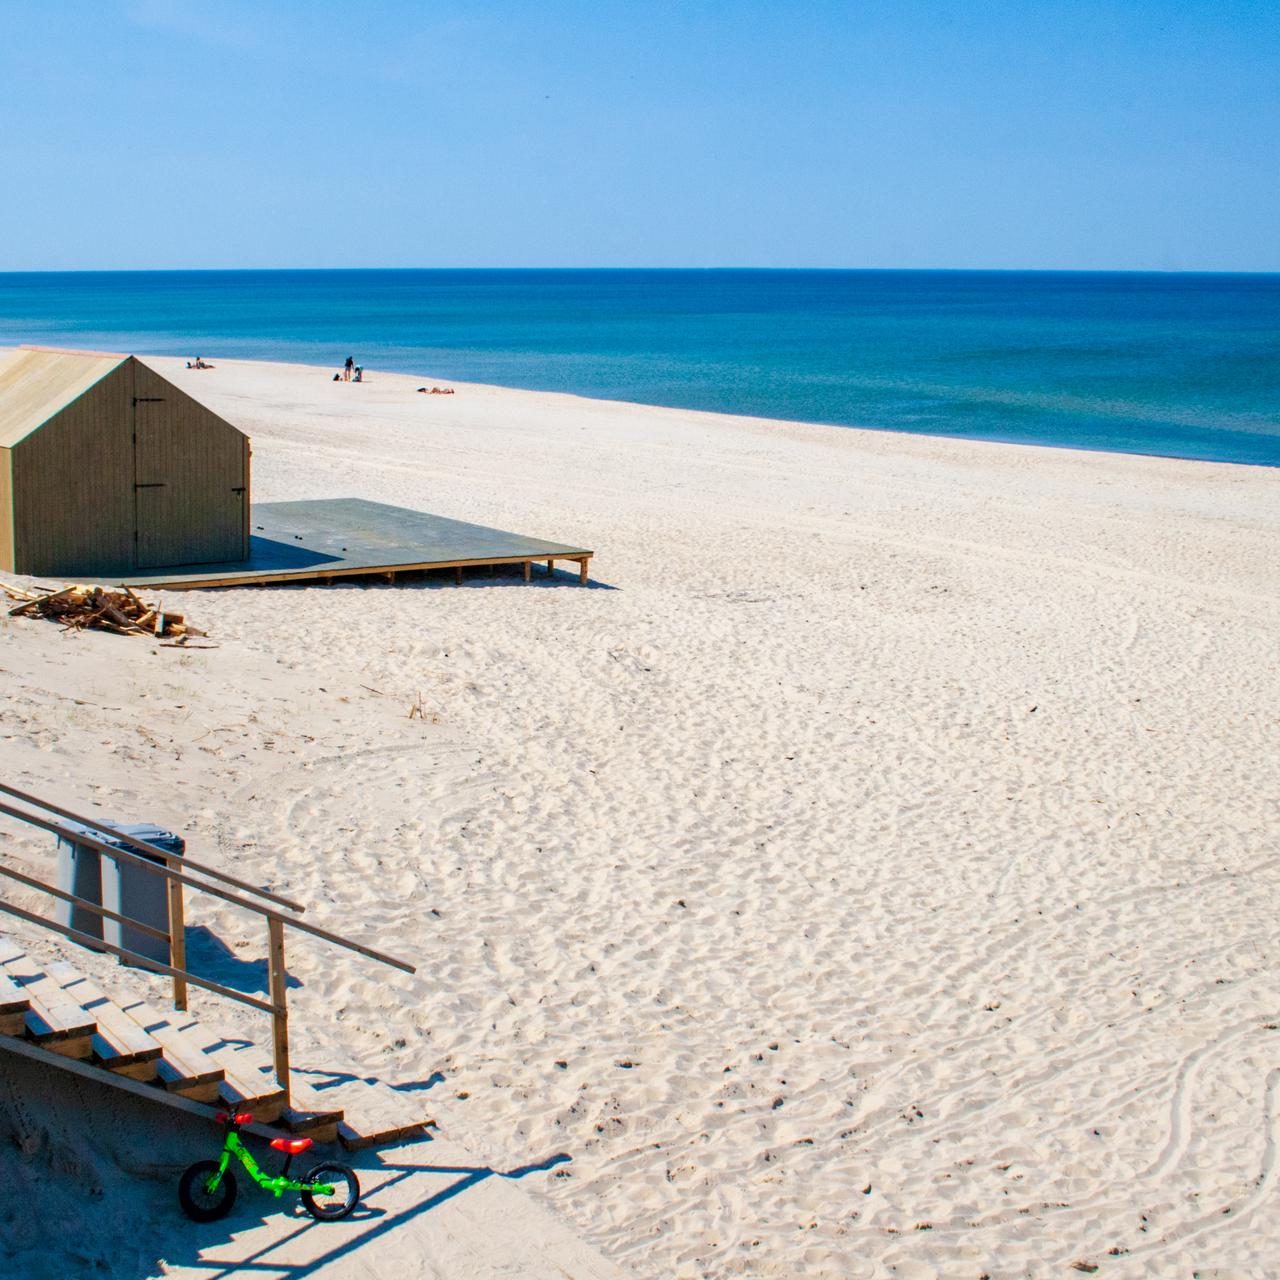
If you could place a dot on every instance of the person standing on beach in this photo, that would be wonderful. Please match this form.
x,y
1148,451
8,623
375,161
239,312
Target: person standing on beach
x,y
346,368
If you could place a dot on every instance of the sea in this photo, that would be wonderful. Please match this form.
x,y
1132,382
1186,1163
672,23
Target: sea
x,y
1174,364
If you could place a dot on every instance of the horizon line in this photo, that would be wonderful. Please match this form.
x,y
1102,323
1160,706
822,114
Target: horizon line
x,y
1059,271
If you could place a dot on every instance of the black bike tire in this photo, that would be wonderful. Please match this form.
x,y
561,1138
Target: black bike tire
x,y
199,1213
315,1175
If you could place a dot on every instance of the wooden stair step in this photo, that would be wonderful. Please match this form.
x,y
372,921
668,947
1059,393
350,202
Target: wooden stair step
x,y
184,1067
251,1085
248,1086
14,1004
372,1113
53,1020
248,1079
310,1114
377,1115
319,1126
119,1044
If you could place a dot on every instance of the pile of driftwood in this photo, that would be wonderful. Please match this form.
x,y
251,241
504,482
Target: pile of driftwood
x,y
119,611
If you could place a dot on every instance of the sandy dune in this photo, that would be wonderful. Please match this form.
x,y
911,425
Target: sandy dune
x,y
874,873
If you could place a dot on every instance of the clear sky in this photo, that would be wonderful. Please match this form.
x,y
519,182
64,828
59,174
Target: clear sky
x,y
939,133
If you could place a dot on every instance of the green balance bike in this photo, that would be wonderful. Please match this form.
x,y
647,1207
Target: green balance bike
x,y
207,1191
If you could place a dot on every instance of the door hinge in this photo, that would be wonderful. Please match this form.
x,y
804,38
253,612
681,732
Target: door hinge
x,y
159,484
238,489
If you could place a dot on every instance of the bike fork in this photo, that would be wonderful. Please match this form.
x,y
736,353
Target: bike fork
x,y
216,1181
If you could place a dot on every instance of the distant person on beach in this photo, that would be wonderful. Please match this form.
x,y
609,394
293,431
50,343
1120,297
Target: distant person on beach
x,y
199,364
346,368
436,391
359,374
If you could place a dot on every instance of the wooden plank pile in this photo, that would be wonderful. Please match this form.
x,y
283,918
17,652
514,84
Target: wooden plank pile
x,y
120,611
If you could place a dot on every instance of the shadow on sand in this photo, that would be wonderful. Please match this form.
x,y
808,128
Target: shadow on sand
x,y
209,957
373,1218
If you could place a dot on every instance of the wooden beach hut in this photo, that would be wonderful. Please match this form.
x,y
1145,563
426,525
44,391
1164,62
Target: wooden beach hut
x,y
106,468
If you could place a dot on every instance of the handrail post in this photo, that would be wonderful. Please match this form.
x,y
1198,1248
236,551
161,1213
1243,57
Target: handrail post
x,y
177,943
277,978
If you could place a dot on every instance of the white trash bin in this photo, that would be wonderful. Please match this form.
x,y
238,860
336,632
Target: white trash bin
x,y
131,890
80,872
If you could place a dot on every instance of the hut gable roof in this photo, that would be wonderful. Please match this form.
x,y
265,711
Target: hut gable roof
x,y
37,383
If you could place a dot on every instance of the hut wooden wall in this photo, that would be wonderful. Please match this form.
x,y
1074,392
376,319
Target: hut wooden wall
x,y
72,498
132,474
6,511
198,513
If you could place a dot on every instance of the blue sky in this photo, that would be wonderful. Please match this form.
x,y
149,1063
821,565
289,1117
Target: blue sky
x,y
955,133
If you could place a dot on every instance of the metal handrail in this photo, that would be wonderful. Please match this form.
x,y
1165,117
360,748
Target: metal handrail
x,y
162,863
153,850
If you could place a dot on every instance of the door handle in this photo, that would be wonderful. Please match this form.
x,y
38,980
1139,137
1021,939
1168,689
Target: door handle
x,y
158,485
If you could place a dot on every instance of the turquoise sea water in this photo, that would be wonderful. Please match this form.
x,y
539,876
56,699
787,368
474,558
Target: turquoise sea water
x,y
1181,365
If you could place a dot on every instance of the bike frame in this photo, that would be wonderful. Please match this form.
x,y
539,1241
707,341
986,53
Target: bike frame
x,y
232,1146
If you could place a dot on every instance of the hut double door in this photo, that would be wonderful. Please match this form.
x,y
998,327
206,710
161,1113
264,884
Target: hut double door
x,y
190,479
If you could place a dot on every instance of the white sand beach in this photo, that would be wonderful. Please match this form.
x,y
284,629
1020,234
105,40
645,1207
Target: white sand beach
x,y
873,873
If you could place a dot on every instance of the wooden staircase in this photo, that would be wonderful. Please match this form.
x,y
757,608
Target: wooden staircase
x,y
56,1015
58,1009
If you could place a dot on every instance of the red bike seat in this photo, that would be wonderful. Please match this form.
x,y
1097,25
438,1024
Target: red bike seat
x,y
291,1146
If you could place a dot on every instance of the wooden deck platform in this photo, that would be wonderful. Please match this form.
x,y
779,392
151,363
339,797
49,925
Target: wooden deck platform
x,y
346,537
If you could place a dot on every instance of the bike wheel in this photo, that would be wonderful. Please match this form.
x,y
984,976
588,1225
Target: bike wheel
x,y
346,1191
197,1201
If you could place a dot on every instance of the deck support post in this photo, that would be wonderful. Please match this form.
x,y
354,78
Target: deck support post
x,y
582,572
457,575
528,570
551,567
277,979
177,943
